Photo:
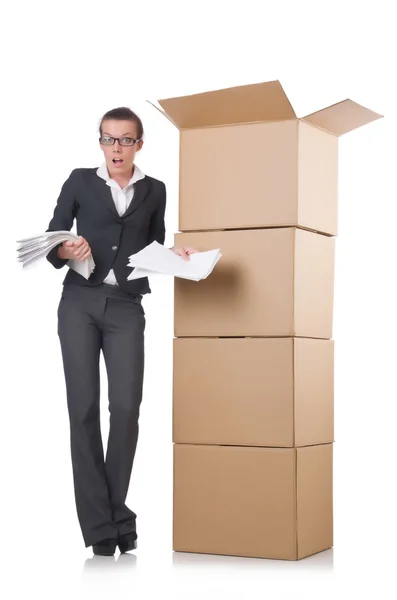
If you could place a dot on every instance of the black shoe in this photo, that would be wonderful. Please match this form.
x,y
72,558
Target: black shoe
x,y
127,541
105,547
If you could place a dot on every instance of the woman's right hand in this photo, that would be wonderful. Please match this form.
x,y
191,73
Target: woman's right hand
x,y
72,250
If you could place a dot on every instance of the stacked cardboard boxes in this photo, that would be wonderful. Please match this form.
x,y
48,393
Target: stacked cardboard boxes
x,y
253,419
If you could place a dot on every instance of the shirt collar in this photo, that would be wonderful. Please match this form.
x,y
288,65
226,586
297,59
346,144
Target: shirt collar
x,y
103,172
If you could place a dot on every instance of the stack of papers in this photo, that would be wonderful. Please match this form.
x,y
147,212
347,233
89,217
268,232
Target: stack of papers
x,y
38,246
155,259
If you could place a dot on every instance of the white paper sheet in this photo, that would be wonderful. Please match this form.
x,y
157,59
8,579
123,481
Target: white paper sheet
x,y
36,247
155,259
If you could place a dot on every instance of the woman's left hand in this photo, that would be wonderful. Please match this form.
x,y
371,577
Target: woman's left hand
x,y
183,251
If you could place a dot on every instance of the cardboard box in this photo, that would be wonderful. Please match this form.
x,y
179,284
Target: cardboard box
x,y
246,160
269,282
253,392
254,502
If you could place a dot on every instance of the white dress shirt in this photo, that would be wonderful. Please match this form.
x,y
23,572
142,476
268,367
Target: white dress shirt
x,y
121,198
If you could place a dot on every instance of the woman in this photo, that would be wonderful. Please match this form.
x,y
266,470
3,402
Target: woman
x,y
118,210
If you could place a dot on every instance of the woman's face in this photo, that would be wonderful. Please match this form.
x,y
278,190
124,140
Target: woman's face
x,y
120,159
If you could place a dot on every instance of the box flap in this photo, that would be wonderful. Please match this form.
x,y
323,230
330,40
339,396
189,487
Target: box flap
x,y
342,117
243,104
162,112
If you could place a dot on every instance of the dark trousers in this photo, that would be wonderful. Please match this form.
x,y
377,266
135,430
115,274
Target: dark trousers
x,y
91,319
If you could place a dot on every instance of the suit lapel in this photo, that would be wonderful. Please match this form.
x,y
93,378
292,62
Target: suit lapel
x,y
141,188
104,193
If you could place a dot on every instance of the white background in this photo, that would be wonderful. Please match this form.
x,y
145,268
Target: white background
x,y
63,65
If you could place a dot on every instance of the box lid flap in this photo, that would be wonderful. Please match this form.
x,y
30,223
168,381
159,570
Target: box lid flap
x,y
243,104
162,112
342,117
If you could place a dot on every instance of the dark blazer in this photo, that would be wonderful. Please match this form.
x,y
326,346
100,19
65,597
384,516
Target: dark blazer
x,y
87,198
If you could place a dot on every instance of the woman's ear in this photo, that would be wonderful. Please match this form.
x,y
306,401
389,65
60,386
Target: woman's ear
x,y
139,145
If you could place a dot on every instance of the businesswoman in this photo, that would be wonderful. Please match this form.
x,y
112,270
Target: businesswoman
x,y
118,210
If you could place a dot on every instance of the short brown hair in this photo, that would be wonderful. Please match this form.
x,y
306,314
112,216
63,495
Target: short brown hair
x,y
122,113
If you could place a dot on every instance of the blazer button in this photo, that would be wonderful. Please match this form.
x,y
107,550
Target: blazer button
x,y
114,247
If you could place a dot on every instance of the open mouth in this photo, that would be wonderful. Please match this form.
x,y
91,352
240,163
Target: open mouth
x,y
117,161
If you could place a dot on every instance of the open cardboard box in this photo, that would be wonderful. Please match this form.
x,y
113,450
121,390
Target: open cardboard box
x,y
247,160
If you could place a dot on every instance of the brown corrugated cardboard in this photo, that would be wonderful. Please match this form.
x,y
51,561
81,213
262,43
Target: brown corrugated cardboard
x,y
253,392
254,502
247,161
269,282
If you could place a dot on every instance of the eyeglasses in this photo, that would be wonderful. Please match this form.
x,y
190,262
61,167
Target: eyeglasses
x,y
107,140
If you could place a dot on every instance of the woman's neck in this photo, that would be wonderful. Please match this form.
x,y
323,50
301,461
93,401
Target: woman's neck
x,y
122,178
